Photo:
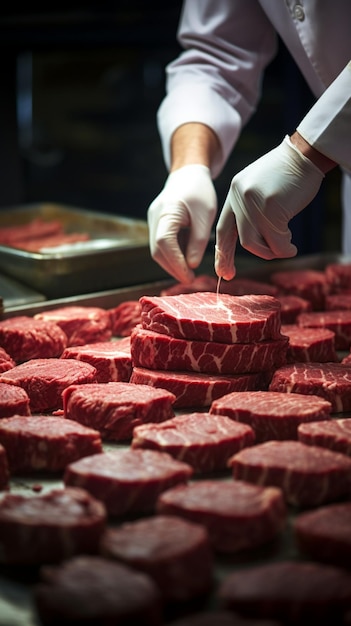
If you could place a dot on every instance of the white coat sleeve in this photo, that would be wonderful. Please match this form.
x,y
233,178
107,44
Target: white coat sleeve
x,y
327,125
217,79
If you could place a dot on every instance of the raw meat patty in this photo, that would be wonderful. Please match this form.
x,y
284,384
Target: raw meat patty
x,y
94,590
175,552
338,302
295,592
45,443
204,441
25,338
126,480
310,344
160,352
82,324
207,316
311,285
337,321
237,515
331,381
6,362
10,235
196,389
338,276
125,317
111,360
324,534
4,469
334,435
49,527
272,415
291,307
13,400
114,409
45,379
308,475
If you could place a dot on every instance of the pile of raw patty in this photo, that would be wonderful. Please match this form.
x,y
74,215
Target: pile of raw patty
x,y
195,436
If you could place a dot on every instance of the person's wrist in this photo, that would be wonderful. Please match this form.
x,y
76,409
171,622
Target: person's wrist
x,y
320,160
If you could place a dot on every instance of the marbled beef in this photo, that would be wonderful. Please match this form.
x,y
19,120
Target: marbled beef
x,y
13,400
206,316
310,344
334,435
82,324
111,359
337,321
25,338
157,351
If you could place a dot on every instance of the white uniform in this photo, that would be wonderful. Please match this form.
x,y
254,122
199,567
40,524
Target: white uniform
x,y
227,45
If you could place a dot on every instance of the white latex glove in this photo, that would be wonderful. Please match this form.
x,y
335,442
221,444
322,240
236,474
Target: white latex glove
x,y
188,200
262,199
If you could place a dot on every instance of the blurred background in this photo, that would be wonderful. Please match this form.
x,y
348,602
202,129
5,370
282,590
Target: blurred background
x,y
80,90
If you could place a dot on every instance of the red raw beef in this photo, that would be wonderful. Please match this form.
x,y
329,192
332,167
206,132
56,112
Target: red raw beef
x,y
338,302
247,286
161,352
82,324
49,527
45,379
206,316
176,553
127,480
337,321
10,235
203,282
308,475
272,415
97,591
111,359
6,362
338,276
238,515
310,344
4,469
311,285
335,435
13,400
45,443
114,409
324,534
25,338
331,381
298,593
204,441
38,244
125,317
196,389
291,307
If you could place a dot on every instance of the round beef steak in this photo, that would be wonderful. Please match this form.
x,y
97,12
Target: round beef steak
x,y
299,593
49,527
331,381
81,324
324,534
308,475
291,307
45,379
124,317
45,443
238,515
95,590
204,441
111,360
127,480
6,362
175,552
309,284
271,414
335,435
115,408
310,344
13,400
25,338
339,322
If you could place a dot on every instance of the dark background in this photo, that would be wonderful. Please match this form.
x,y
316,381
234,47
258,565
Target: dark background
x,y
80,91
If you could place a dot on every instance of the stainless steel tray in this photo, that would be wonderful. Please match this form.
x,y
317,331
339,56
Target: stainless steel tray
x,y
117,253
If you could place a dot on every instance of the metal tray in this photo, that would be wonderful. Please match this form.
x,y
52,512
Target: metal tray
x,y
117,253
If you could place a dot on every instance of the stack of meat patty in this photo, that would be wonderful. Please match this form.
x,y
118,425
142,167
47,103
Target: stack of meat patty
x,y
203,345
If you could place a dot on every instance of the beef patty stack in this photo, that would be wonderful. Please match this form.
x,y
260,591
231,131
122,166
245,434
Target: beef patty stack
x,y
201,346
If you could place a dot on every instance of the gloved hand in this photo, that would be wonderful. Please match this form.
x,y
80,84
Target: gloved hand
x,y
188,200
262,199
